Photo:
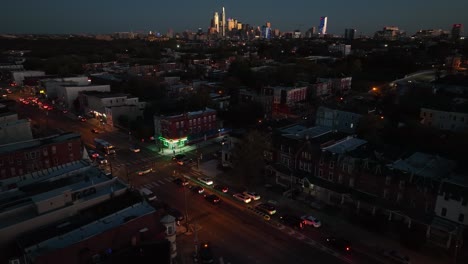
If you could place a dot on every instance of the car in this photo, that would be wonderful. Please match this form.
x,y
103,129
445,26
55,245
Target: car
x,y
266,208
221,188
292,221
206,181
148,194
93,154
212,198
242,197
184,161
178,157
396,256
205,253
134,149
144,171
181,182
64,111
101,160
175,213
339,244
253,195
310,220
198,189
96,131
83,119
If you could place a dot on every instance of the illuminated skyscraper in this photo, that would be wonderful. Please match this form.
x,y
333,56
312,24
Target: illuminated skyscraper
x,y
323,25
216,21
457,31
223,23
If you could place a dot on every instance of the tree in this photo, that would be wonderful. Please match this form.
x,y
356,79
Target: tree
x,y
248,158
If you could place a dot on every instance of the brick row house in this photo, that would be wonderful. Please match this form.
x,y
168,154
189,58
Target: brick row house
x,y
349,173
18,159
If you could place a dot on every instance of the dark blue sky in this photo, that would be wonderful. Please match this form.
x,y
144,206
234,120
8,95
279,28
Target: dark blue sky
x,y
107,16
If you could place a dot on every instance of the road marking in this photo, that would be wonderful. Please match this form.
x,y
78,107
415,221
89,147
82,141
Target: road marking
x,y
161,182
300,236
168,179
155,184
291,232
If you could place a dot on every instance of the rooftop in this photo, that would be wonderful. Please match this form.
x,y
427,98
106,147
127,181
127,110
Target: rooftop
x,y
426,165
104,94
92,229
299,131
346,145
12,147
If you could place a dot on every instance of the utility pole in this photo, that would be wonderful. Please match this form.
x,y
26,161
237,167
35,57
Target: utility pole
x,y
186,210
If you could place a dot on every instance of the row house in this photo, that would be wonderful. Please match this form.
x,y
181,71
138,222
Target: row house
x,y
344,121
444,120
352,175
339,86
18,159
178,130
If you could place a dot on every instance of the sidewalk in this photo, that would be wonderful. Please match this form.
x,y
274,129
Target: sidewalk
x,y
364,241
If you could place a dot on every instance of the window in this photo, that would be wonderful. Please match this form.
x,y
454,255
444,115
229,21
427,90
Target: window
x,y
320,173
399,197
54,150
13,172
388,179
402,184
321,161
444,212
385,193
461,218
351,182
330,176
70,146
332,164
44,152
190,122
340,178
177,124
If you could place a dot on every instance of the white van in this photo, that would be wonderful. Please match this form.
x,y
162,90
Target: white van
x,y
148,194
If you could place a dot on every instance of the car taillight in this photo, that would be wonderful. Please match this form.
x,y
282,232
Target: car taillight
x,y
348,248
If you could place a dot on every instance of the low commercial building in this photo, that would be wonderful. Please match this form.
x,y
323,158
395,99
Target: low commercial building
x,y
68,92
444,120
13,129
343,121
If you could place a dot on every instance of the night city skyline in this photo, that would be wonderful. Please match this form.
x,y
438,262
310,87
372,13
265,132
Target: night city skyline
x,y
55,17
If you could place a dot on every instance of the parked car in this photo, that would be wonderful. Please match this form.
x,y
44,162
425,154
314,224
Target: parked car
x,y
181,181
396,256
221,188
93,154
198,189
148,194
206,181
242,197
253,195
101,160
213,198
292,221
266,208
310,220
339,244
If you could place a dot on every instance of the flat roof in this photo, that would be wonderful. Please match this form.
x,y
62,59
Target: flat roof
x,y
426,165
299,131
104,94
34,143
346,145
92,229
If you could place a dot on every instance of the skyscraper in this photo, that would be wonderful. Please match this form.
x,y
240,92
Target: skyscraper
x,y
223,23
216,22
349,33
323,25
457,31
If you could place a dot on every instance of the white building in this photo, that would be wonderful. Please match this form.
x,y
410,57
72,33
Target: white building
x,y
342,121
452,200
338,85
67,93
18,76
51,85
454,121
111,105
13,129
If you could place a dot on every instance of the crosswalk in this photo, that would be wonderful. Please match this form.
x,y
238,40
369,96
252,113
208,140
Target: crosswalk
x,y
158,182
